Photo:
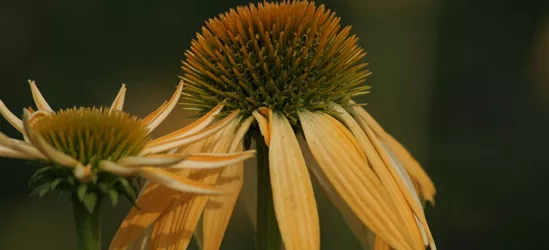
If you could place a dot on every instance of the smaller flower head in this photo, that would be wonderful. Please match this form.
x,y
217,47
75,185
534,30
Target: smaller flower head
x,y
101,151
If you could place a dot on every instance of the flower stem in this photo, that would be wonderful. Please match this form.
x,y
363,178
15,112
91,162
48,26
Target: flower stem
x,y
268,234
88,225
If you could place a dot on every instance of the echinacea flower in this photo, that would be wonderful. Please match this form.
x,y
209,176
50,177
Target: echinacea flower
x,y
290,70
98,152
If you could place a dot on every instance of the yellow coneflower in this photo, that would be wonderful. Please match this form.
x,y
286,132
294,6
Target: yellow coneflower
x,y
290,70
98,152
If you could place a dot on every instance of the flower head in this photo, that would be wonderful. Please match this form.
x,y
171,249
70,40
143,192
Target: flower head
x,y
97,152
290,69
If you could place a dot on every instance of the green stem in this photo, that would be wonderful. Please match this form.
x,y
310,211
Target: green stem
x,y
268,235
88,225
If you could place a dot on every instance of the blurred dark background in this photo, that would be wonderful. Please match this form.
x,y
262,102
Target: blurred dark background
x,y
463,84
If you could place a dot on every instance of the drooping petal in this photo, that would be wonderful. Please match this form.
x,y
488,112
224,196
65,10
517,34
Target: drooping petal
x,y
156,148
293,196
361,232
213,160
10,153
43,146
83,173
118,103
177,182
219,209
39,100
386,173
11,118
193,128
152,160
264,126
345,167
161,115
427,188
117,169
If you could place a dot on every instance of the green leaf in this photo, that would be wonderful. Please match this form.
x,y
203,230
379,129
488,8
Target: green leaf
x,y
38,174
41,190
90,200
54,184
81,191
128,188
71,180
114,197
104,187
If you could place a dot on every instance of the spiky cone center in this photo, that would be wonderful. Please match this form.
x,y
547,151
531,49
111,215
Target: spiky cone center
x,y
90,135
285,56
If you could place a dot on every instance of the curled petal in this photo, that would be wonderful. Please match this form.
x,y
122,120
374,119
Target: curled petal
x,y
177,182
117,169
151,148
44,147
83,174
11,118
39,100
264,127
161,115
118,103
151,160
195,127
213,160
10,153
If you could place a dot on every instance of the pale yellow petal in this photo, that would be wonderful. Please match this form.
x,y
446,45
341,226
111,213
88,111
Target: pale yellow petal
x,y
345,168
151,160
39,100
10,153
177,182
176,143
21,147
293,196
193,128
43,146
11,118
117,169
213,160
386,173
118,103
160,116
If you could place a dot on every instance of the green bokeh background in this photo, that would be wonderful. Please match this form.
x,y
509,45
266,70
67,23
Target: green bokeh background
x,y
463,84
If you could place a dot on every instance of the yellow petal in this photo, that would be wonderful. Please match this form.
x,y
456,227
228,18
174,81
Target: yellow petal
x,y
415,170
346,169
218,210
151,149
361,232
385,171
10,117
213,160
193,128
43,146
117,169
152,202
155,113
118,103
379,244
39,100
161,115
151,160
263,126
176,182
293,196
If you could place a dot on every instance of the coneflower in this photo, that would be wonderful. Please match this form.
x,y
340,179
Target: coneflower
x,y
290,70
93,153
